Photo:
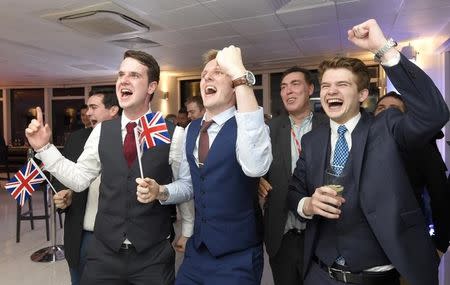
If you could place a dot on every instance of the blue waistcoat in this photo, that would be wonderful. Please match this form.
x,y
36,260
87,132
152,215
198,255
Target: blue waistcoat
x,y
227,214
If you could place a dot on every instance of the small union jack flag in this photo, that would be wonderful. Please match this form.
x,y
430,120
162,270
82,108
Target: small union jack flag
x,y
152,131
25,182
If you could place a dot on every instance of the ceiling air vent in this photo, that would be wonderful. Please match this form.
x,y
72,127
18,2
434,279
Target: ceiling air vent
x,y
135,43
103,23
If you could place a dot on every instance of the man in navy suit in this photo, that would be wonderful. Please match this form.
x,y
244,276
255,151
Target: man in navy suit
x,y
376,229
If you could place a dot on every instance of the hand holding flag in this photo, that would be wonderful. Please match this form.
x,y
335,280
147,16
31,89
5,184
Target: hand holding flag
x,y
150,132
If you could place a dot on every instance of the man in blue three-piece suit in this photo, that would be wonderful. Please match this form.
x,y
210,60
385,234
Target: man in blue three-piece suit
x,y
226,153
376,230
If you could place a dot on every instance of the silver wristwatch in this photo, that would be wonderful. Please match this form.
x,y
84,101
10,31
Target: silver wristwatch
x,y
163,194
387,46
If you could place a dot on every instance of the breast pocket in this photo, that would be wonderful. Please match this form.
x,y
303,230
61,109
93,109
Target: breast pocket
x,y
411,218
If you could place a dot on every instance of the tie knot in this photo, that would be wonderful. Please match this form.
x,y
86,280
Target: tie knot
x,y
206,125
130,127
341,129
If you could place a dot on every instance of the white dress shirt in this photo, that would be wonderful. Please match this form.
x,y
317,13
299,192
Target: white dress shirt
x,y
253,148
78,176
186,209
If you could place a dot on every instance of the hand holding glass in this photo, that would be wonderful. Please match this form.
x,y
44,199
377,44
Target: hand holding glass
x,y
335,181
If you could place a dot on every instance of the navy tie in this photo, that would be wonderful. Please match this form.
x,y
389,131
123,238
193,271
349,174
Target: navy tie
x,y
338,164
340,151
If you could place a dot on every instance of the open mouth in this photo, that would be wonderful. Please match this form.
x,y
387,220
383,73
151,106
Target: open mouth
x,y
210,90
290,100
334,103
125,92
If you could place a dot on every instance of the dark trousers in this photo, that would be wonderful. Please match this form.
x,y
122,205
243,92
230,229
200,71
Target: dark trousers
x,y
77,272
239,268
317,275
287,264
154,266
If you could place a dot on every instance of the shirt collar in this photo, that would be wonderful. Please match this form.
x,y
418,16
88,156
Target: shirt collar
x,y
221,118
125,120
350,124
305,121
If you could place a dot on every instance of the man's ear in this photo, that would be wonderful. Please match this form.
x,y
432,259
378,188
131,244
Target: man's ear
x,y
310,89
363,94
152,87
114,111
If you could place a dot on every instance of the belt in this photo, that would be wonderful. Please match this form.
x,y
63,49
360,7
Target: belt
x,y
363,277
295,231
127,246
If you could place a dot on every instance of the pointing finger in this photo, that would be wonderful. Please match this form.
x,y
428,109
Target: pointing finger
x,y
39,116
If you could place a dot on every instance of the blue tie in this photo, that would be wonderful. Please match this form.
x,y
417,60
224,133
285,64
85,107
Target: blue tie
x,y
340,151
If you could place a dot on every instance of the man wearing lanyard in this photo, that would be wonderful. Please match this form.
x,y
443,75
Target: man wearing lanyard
x,y
283,232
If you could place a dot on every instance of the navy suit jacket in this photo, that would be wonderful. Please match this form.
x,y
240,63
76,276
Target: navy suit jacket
x,y
385,194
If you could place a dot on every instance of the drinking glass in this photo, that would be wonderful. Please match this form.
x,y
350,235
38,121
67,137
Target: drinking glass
x,y
335,181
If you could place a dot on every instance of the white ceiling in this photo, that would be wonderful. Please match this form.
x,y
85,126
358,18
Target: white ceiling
x,y
34,47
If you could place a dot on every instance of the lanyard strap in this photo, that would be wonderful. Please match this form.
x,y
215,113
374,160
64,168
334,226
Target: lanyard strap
x,y
297,143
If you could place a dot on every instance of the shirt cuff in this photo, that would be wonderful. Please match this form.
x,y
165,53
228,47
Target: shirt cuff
x,y
49,155
250,120
392,61
174,197
300,209
187,229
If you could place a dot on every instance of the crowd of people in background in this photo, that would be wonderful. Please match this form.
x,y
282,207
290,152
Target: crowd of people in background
x,y
339,196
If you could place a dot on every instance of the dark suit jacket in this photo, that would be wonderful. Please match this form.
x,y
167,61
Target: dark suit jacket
x,y
426,170
3,150
73,221
385,194
275,208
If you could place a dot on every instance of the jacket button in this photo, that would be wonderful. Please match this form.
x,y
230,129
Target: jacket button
x,y
203,192
203,220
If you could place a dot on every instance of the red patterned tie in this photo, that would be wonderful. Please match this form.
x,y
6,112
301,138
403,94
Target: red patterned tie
x,y
129,144
203,142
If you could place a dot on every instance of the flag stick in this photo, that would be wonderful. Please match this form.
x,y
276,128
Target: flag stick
x,y
138,150
43,175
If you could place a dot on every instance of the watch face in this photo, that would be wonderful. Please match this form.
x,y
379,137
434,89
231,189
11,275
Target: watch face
x,y
251,80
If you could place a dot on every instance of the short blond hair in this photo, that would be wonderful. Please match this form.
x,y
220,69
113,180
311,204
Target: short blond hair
x,y
209,55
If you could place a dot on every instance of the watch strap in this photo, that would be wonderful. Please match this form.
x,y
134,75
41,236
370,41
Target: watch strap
x,y
240,81
387,46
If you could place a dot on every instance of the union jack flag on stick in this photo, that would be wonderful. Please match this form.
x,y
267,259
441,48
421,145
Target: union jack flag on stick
x,y
25,182
150,132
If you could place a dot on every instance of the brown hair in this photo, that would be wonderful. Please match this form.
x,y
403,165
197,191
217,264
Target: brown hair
x,y
195,99
147,60
356,66
209,55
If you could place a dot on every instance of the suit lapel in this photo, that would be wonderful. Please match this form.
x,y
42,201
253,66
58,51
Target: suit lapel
x,y
285,142
320,153
359,138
